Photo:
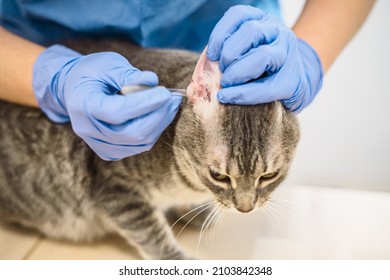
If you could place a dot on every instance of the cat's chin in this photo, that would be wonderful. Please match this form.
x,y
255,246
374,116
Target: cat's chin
x,y
236,211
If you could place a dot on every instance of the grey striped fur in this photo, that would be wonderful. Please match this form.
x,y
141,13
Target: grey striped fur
x,y
51,181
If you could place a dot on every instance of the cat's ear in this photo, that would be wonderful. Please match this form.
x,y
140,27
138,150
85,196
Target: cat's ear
x,y
205,80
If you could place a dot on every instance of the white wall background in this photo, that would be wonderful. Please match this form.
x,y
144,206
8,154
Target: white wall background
x,y
346,131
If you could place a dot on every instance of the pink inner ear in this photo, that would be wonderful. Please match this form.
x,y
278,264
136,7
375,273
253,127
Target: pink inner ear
x,y
205,80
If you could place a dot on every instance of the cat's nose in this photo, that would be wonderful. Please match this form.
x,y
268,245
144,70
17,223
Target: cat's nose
x,y
244,202
244,209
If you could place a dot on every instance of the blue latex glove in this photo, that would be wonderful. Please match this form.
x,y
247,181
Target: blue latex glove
x,y
262,60
83,90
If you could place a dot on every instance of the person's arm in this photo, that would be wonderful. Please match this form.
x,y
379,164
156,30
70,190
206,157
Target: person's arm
x,y
17,57
328,25
82,89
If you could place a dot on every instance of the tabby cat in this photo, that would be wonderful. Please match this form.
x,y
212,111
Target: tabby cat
x,y
233,156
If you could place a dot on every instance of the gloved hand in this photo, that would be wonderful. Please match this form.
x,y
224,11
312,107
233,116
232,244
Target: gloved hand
x,y
83,90
261,60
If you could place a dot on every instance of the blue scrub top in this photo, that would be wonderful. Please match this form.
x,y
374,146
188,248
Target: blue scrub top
x,y
174,23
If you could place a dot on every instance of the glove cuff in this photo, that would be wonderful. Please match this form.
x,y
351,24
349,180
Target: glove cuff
x,y
313,78
314,71
313,65
46,71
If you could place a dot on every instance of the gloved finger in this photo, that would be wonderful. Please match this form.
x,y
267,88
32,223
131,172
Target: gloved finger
x,y
229,24
253,64
116,71
250,35
146,78
153,124
117,109
118,77
142,130
115,81
108,67
265,90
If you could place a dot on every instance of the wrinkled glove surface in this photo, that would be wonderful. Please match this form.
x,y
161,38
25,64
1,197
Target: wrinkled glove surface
x,y
262,60
83,90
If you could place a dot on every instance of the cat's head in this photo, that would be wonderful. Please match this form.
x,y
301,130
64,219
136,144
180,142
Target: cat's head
x,y
238,153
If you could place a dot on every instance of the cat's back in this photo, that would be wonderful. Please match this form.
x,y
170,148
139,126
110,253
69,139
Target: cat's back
x,y
27,131
29,137
40,163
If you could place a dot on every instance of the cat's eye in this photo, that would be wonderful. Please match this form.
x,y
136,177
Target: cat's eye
x,y
268,176
219,177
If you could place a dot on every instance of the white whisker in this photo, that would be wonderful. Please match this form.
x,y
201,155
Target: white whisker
x,y
205,222
267,214
204,205
169,144
215,222
280,214
284,201
286,207
275,218
206,225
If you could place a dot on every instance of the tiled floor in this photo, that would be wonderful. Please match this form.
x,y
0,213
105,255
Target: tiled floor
x,y
304,223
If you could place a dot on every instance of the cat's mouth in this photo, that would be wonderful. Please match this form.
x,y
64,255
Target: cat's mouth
x,y
236,208
244,204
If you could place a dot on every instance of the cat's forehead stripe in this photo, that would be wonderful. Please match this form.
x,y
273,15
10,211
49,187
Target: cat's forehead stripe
x,y
253,136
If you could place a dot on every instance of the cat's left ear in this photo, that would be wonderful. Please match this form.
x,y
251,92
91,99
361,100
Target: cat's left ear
x,y
205,80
